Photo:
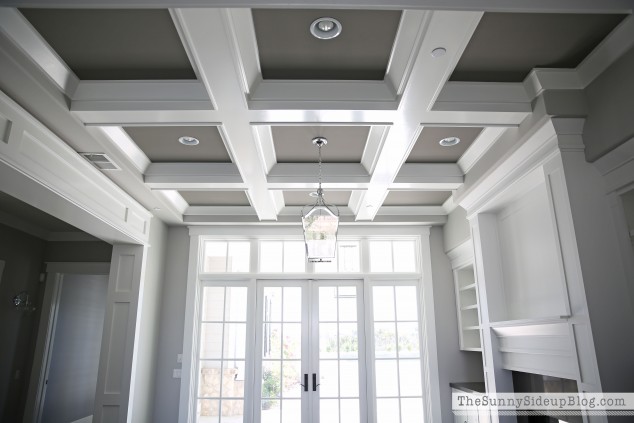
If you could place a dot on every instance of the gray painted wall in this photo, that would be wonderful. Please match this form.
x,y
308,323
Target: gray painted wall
x,y
454,365
171,323
457,229
611,101
23,255
85,251
72,377
142,395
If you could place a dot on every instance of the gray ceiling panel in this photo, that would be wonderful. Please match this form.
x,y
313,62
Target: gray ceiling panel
x,y
114,44
160,143
293,144
361,52
416,198
215,198
303,198
428,150
507,46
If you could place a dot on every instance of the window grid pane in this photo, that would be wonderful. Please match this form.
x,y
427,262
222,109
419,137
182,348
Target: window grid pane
x,y
397,365
226,256
222,355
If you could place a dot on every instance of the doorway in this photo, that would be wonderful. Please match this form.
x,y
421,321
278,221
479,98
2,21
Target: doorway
x,y
327,351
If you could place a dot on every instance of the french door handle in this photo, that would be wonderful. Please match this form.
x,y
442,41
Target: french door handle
x,y
315,384
305,384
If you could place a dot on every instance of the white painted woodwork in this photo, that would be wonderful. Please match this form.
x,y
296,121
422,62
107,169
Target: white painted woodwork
x,y
115,382
14,24
483,97
31,155
187,176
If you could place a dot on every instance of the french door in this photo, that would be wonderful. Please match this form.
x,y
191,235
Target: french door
x,y
295,352
310,352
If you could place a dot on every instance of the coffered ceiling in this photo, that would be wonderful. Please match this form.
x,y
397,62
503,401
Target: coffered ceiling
x,y
254,87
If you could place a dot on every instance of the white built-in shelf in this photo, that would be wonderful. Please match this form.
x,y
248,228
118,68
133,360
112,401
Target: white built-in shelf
x,y
468,307
529,322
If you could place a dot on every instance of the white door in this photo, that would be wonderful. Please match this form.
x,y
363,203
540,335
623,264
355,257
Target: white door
x,y
310,344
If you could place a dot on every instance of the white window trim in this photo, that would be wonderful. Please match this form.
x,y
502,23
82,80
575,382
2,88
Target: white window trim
x,y
429,356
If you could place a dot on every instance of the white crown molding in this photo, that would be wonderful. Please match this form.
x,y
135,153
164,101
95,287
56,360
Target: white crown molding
x,y
617,167
193,176
499,97
15,26
461,255
34,151
479,147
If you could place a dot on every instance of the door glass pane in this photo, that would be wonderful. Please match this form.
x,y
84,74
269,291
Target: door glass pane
x,y
386,378
328,379
209,379
387,410
213,303
384,340
328,340
232,411
348,340
272,306
292,343
271,379
292,304
328,304
349,378
407,299
292,379
211,340
271,340
235,338
412,410
270,411
329,411
408,345
347,304
350,411
292,411
236,304
383,303
207,411
410,378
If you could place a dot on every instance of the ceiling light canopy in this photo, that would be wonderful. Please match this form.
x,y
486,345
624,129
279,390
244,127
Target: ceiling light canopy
x,y
320,222
449,141
325,28
188,140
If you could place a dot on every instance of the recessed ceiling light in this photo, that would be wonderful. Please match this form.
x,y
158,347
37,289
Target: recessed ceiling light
x,y
449,141
325,28
438,52
188,141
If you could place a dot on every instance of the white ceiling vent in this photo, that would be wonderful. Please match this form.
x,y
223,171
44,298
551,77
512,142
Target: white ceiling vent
x,y
100,161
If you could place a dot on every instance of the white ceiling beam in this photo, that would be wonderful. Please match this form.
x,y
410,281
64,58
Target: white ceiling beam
x,y
479,147
518,6
373,146
452,31
193,176
15,26
207,34
126,103
498,97
122,140
449,175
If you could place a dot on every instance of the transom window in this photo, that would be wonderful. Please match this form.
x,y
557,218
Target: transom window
x,y
355,256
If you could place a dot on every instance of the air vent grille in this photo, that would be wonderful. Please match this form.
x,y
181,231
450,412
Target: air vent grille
x,y
100,161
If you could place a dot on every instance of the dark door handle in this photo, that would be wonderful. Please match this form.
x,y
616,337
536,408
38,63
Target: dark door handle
x,y
305,384
315,384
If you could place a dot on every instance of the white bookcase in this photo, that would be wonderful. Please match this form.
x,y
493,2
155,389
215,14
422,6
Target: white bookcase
x,y
467,304
468,308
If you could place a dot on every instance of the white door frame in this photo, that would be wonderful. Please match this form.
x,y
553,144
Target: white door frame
x,y
48,319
